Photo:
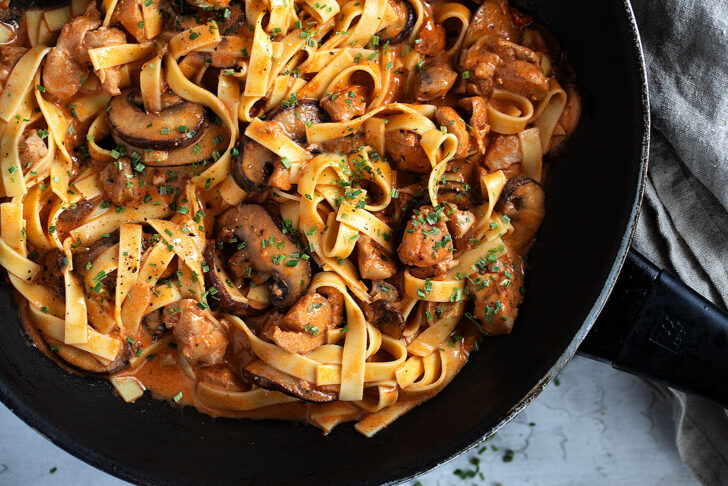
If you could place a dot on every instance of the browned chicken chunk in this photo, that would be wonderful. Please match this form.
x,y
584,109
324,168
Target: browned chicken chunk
x,y
200,340
9,56
118,182
31,148
68,63
431,38
503,153
452,122
405,150
304,327
498,292
110,77
426,241
374,261
494,61
346,104
493,17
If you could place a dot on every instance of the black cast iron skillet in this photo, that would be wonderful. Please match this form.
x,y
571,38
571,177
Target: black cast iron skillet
x,y
651,324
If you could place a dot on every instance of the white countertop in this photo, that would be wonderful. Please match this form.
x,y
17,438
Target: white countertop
x,y
597,427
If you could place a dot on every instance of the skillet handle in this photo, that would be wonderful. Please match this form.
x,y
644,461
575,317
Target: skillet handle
x,y
654,326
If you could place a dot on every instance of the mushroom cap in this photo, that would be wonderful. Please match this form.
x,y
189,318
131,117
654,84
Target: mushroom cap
x,y
226,302
253,166
178,125
265,376
268,250
400,30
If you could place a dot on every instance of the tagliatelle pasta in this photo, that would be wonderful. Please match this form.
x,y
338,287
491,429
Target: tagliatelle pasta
x,y
310,210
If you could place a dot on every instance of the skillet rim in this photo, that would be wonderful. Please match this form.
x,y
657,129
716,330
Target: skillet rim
x,y
478,434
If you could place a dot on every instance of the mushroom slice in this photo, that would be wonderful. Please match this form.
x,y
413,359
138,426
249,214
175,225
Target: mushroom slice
x,y
455,193
265,376
523,201
268,250
253,167
294,119
178,125
215,278
214,138
385,315
401,28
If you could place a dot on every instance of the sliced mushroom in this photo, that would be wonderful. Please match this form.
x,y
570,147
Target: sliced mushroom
x,y
253,167
87,363
178,125
385,315
523,201
294,119
214,138
401,28
268,250
81,259
454,192
227,302
265,376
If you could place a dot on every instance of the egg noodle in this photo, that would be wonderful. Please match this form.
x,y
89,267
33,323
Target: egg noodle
x,y
273,186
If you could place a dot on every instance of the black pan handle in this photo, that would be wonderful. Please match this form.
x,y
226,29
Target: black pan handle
x,y
654,326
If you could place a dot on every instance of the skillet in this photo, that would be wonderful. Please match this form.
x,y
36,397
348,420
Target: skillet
x,y
651,325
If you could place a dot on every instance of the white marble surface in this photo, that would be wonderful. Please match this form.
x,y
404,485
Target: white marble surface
x,y
597,427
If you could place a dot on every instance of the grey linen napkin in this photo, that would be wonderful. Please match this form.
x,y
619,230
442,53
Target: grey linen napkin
x,y
684,221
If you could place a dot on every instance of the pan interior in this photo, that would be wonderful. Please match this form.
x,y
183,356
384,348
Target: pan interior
x,y
591,193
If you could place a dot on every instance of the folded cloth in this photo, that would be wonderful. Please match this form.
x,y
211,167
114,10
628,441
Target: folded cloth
x,y
684,221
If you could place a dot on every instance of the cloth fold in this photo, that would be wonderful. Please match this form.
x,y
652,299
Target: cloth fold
x,y
684,222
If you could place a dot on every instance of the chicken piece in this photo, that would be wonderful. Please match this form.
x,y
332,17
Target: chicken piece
x,y
299,342
430,39
110,77
129,14
434,79
31,148
453,123
426,241
201,340
459,222
498,291
523,77
479,127
374,262
496,62
346,104
118,182
221,377
323,308
281,177
493,17
9,57
68,63
504,153
405,150
304,327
